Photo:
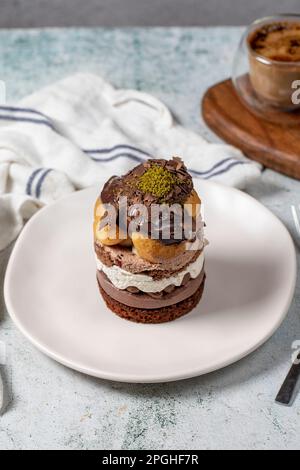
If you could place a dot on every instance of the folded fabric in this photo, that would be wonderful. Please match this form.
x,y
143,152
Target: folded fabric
x,y
1,394
80,130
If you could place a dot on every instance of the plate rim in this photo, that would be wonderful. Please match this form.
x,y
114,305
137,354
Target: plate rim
x,y
132,378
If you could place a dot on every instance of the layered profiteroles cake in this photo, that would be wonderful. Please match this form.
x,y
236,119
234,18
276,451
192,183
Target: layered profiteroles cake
x,y
149,242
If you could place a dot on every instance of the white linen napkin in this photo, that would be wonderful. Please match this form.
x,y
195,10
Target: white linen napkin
x,y
1,394
2,361
79,130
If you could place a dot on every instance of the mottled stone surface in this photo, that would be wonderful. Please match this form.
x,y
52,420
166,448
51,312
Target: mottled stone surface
x,y
53,407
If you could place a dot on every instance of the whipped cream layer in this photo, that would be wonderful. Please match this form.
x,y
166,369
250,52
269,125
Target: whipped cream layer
x,y
122,279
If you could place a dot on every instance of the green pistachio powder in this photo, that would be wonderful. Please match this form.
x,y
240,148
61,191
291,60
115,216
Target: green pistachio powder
x,y
157,181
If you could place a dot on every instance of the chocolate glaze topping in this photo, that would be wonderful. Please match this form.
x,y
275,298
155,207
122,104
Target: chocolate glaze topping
x,y
178,184
128,185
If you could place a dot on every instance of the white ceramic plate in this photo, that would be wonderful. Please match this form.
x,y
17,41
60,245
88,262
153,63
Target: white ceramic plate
x,y
52,295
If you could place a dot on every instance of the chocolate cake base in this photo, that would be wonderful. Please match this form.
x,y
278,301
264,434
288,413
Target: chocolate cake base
x,y
159,315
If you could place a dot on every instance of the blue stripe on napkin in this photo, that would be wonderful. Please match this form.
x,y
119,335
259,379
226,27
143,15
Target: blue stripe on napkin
x,y
207,174
114,157
23,110
6,117
31,180
117,147
216,165
12,117
40,182
225,170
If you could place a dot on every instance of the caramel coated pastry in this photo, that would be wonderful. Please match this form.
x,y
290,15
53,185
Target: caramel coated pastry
x,y
193,203
99,209
99,212
127,242
155,251
107,235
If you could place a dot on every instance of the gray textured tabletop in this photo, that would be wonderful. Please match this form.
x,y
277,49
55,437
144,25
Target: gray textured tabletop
x,y
54,407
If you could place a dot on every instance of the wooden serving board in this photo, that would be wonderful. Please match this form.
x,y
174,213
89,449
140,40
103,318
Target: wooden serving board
x,y
274,145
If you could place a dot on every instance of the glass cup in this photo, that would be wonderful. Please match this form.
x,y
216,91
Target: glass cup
x,y
268,85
